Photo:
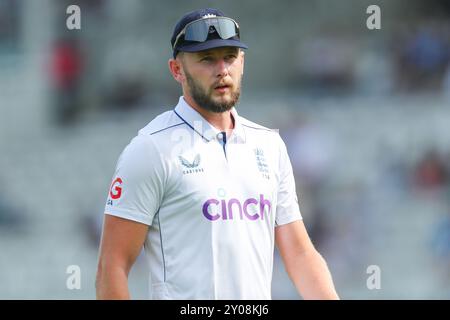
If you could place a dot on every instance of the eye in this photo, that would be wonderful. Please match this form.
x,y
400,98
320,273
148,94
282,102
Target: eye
x,y
230,57
206,59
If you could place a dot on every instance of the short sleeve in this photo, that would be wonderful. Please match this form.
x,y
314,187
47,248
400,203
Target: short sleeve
x,y
137,186
287,209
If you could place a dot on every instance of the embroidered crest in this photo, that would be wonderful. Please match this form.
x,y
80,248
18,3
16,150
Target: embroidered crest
x,y
262,163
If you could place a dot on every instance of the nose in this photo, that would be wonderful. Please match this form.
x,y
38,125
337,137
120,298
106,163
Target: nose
x,y
222,68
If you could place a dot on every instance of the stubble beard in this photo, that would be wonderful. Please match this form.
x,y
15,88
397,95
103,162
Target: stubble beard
x,y
204,99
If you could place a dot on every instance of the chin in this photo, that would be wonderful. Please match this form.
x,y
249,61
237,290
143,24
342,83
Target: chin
x,y
224,100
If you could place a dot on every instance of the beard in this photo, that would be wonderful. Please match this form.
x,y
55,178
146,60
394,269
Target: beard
x,y
203,97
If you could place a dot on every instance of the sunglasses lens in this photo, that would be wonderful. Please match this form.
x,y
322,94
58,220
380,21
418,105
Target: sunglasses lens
x,y
198,31
225,28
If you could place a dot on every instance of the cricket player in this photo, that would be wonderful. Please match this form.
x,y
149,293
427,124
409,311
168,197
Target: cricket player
x,y
206,192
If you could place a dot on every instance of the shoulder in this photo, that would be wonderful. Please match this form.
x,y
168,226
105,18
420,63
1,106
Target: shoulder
x,y
159,133
254,129
150,139
160,124
250,125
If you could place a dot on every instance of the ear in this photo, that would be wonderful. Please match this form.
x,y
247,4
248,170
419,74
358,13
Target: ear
x,y
176,69
242,53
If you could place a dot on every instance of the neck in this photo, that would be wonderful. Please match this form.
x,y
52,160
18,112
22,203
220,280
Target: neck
x,y
221,121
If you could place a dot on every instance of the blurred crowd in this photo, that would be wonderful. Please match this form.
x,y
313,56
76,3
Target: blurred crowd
x,y
414,58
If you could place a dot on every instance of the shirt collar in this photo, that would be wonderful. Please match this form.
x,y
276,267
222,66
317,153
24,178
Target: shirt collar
x,y
196,122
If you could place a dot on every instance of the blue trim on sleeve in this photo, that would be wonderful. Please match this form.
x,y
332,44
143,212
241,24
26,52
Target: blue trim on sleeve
x,y
162,249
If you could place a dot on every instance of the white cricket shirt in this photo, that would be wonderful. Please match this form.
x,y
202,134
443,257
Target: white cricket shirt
x,y
212,203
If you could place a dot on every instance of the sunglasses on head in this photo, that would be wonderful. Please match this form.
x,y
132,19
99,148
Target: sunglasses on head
x,y
199,30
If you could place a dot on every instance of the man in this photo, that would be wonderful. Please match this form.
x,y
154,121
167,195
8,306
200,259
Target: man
x,y
205,191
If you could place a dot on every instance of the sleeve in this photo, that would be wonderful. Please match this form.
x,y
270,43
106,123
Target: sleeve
x,y
137,186
287,209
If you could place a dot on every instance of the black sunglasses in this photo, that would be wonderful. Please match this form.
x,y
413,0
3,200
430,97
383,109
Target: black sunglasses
x,y
198,30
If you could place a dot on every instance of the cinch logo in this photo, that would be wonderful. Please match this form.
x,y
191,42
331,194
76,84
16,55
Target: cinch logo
x,y
214,209
117,191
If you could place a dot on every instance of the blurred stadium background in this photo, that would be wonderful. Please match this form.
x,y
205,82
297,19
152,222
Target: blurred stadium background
x,y
365,114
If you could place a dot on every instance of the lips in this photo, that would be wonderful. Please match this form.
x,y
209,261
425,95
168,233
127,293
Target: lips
x,y
222,86
222,89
